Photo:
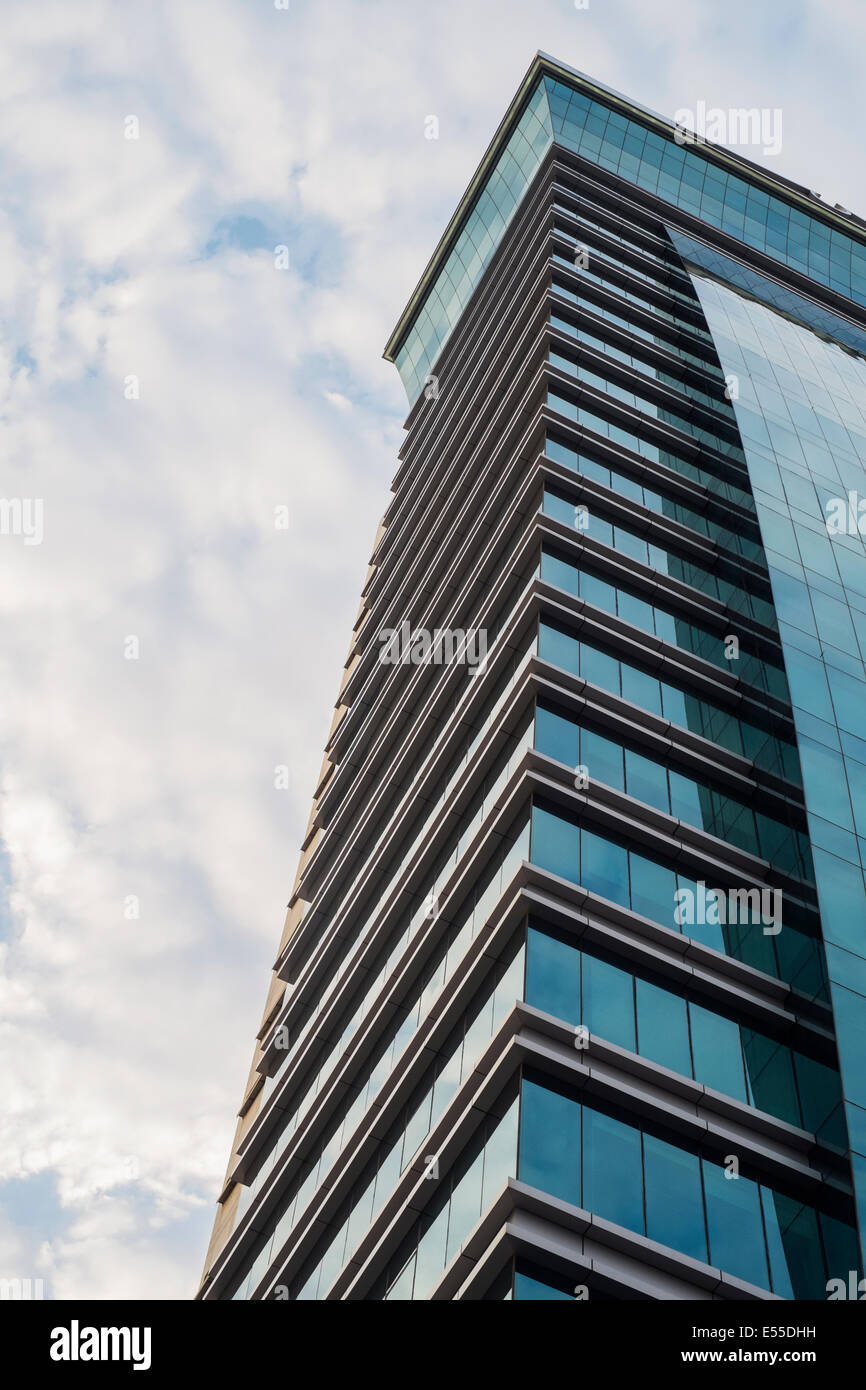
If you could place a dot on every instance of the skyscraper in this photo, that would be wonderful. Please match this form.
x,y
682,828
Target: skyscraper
x,y
571,996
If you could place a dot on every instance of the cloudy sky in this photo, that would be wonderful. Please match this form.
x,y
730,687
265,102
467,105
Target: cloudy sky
x,y
166,386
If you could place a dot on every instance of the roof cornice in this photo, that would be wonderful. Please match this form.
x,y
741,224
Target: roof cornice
x,y
544,65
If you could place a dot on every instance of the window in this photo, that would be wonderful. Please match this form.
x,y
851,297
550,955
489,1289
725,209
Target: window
x,y
612,1184
663,1028
734,1224
674,1209
608,1002
667,1191
550,1141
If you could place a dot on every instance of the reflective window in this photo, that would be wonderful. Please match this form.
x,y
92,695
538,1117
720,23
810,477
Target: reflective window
x,y
637,1178
652,1017
459,1054
558,735
684,175
729,591
801,410
674,1209
475,243
612,1184
625,875
575,578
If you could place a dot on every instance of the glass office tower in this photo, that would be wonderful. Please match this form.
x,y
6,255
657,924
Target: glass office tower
x,y
571,997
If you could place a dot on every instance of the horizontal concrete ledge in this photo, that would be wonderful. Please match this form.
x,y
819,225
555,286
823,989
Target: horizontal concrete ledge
x,y
582,1247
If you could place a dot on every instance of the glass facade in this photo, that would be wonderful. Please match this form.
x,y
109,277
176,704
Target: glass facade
x,y
689,178
609,1164
801,409
684,175
393,1155
740,542
620,872
638,444
577,578
650,503
672,701
475,243
413,1010
485,1166
647,779
656,1020
726,586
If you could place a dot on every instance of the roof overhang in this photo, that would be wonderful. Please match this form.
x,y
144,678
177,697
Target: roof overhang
x,y
544,65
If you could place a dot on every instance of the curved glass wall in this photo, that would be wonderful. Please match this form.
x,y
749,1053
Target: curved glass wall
x,y
801,408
